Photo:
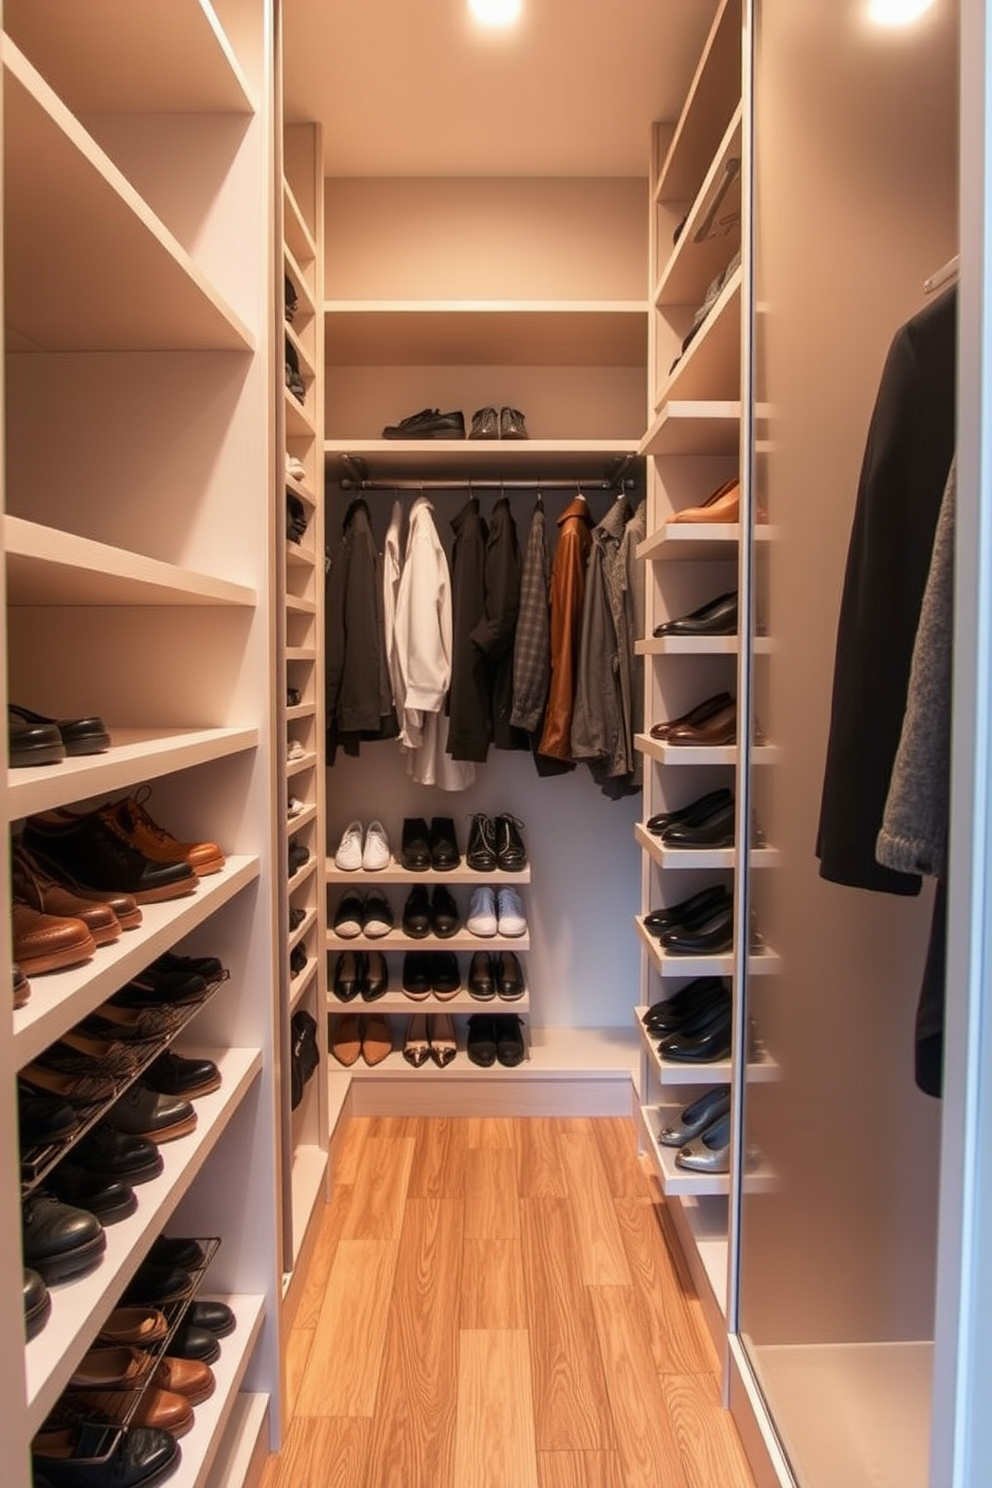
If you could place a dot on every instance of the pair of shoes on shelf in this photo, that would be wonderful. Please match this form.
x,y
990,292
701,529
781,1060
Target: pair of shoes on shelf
x,y
695,1023
424,847
495,1037
508,423
360,974
496,912
425,913
429,1037
709,1151
495,842
35,739
696,1118
722,505
498,975
708,821
716,618
367,1035
361,850
711,722
368,914
701,925
427,972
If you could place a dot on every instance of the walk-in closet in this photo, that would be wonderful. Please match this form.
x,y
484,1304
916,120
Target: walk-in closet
x,y
496,561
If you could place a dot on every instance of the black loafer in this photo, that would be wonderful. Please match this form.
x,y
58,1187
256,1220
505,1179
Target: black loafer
x,y
445,919
509,1040
481,852
445,977
189,1342
429,423
417,913
96,856
508,976
695,811
481,1043
37,1303
32,743
157,1286
443,844
415,852
142,1112
481,982
79,735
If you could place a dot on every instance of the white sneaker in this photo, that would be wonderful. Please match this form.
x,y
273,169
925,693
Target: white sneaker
x,y
295,807
482,913
349,854
295,750
295,468
510,913
375,856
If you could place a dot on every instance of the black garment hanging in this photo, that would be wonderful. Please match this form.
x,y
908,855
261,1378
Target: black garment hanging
x,y
357,696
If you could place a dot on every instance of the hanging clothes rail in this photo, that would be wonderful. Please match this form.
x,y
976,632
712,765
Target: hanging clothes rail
x,y
470,483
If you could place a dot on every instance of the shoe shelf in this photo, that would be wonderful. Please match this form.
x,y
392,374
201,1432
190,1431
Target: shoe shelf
x,y
296,605
700,754
299,420
307,369
299,555
294,823
711,366
480,459
136,754
715,86
80,1306
61,999
679,645
309,1173
119,280
243,1446
300,711
300,653
306,308
301,984
676,1181
399,1005
301,489
45,566
764,962
760,1069
298,241
693,265
397,874
296,767
201,1445
573,333
700,427
702,857
302,874
396,940
682,542
306,924
179,59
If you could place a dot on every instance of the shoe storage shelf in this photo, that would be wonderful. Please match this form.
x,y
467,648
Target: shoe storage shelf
x,y
138,555
299,643
695,445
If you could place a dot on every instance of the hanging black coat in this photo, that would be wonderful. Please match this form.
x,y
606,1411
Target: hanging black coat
x,y
357,695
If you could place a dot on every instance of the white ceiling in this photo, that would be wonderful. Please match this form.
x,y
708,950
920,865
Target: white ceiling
x,y
414,88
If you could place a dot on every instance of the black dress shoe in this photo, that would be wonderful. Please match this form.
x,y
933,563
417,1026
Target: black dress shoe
x,y
696,810
481,979
194,1343
717,618
445,919
105,1457
96,855
37,1303
698,906
443,844
711,936
157,1286
480,854
710,1011
701,1048
142,1112
347,978
671,1017
32,743
176,1250
375,977
445,977
429,423
108,1199
713,830
417,913
59,1240
106,1150
509,1040
415,851
417,977
481,1042
508,976
174,1074
79,735
696,717
157,985
216,1317
43,1119
511,855
681,1002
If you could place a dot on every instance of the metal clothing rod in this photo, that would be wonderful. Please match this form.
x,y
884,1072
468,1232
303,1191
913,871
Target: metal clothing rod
x,y
471,483
943,276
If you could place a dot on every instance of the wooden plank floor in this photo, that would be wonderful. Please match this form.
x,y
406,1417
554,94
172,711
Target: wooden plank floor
x,y
495,1303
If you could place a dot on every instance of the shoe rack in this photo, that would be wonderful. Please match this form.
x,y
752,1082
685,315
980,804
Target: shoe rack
x,y
137,534
696,440
300,645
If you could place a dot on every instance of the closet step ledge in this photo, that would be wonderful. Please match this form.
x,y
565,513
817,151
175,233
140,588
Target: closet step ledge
x,y
79,1310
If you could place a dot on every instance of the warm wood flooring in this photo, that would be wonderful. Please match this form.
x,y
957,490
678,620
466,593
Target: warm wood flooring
x,y
494,1303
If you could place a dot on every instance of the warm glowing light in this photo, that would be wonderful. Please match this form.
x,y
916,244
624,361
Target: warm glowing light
x,y
897,12
495,12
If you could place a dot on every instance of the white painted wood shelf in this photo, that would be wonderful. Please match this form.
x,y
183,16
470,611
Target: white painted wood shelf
x,y
204,1443
710,366
693,264
700,427
700,857
397,874
700,754
759,1070
397,1003
696,135
397,940
299,242
481,459
667,964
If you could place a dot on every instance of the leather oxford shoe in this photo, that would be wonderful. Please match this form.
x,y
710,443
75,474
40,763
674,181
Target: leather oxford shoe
x,y
59,1240
695,811
189,1342
37,1303
188,1377
173,1074
106,1150
511,855
157,1286
85,1454
417,913
698,906
142,1112
216,1317
696,717
718,618
711,935
108,1199
696,1117
718,729
35,887
97,855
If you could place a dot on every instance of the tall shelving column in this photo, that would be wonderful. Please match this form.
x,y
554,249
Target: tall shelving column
x,y
301,625
695,442
138,558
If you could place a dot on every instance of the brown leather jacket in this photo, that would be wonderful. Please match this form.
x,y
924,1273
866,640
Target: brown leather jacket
x,y
568,586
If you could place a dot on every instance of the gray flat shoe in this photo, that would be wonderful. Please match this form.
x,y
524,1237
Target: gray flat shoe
x,y
695,1119
711,1152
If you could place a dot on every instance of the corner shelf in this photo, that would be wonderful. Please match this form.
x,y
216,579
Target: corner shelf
x,y
700,857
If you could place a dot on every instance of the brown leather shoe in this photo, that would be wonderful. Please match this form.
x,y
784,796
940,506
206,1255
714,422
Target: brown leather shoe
x,y
697,715
377,1039
720,728
187,1377
155,842
44,942
723,505
32,884
22,987
103,1368
346,1039
144,1325
159,1409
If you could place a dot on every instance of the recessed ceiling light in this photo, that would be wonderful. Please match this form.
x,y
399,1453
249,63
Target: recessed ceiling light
x,y
897,12
495,12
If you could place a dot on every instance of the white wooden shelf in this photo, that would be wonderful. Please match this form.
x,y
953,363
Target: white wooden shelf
x,y
295,605
300,555
712,94
202,1444
307,369
299,238
607,333
693,265
301,984
667,964
711,365
136,755
700,427
592,1053
299,419
300,653
397,874
683,645
396,940
691,542
305,925
700,754
306,306
309,1173
49,567
301,489
243,1446
300,711
675,1180
62,998
668,1072
482,459
399,1005
294,823
80,1306
297,766
178,58
119,280
700,857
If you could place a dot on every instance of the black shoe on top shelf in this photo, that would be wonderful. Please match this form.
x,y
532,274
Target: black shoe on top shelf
x,y
415,846
511,424
443,844
429,423
511,855
79,735
481,852
485,424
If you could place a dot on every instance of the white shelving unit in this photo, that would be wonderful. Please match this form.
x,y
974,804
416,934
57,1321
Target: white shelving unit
x,y
136,537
